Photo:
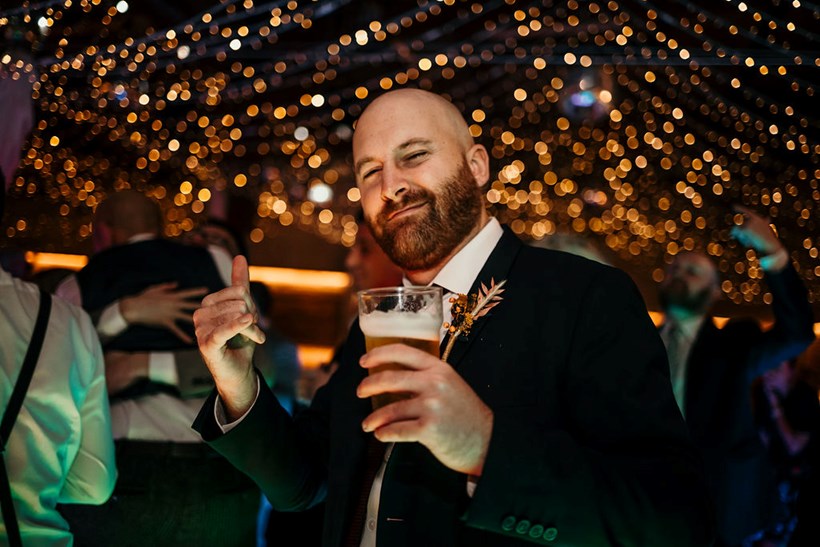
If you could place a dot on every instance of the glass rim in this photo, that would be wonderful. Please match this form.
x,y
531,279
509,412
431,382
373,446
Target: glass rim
x,y
388,291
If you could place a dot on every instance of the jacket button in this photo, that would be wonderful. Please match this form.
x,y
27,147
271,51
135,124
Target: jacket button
x,y
536,531
522,527
508,524
551,533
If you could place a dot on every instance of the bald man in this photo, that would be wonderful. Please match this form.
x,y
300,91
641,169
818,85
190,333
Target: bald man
x,y
712,371
553,423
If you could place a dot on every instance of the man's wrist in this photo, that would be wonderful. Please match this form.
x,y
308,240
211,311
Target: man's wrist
x,y
776,261
237,399
127,310
227,423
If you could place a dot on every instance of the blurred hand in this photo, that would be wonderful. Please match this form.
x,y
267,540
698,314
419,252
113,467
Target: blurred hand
x,y
123,369
445,414
226,331
162,306
756,232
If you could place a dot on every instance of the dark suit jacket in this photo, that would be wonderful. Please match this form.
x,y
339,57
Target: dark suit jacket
x,y
721,366
588,447
125,270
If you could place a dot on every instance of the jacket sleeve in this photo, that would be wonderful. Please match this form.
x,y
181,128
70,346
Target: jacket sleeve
x,y
792,331
268,447
620,469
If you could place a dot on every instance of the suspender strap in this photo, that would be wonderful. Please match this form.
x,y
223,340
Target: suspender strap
x,y
13,408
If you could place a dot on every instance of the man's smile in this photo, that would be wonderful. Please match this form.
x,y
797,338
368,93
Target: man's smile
x,y
407,210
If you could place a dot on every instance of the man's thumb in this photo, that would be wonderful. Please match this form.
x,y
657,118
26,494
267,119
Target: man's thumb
x,y
239,274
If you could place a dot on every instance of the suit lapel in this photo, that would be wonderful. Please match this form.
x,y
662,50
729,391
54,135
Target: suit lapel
x,y
496,268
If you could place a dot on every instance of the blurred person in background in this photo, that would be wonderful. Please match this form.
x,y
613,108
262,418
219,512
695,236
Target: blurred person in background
x,y
173,489
55,432
712,371
787,415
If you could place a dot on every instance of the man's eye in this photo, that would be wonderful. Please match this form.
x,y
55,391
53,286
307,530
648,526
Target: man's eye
x,y
369,173
416,155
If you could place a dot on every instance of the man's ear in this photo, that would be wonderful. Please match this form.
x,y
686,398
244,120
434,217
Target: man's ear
x,y
478,160
101,236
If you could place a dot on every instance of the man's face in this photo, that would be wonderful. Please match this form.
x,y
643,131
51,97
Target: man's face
x,y
419,196
690,284
368,264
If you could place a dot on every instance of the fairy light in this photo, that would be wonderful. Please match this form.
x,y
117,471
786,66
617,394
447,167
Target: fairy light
x,y
635,123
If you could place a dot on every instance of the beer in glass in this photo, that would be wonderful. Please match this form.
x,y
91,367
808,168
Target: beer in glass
x,y
400,315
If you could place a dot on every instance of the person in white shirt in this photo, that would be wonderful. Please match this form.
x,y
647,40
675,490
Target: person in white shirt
x,y
60,450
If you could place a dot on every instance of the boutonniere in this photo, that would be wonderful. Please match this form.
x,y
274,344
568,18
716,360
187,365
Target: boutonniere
x,y
465,309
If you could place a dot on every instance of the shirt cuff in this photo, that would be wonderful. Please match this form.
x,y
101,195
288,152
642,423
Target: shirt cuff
x,y
162,368
222,418
111,321
775,262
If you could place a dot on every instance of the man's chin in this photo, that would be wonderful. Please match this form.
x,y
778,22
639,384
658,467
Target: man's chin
x,y
403,227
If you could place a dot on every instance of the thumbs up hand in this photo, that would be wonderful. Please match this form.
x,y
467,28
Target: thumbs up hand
x,y
226,332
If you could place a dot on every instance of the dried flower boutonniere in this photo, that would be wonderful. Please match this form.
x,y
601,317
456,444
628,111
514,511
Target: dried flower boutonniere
x,y
466,309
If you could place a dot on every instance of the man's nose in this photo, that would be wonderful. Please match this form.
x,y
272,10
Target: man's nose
x,y
394,183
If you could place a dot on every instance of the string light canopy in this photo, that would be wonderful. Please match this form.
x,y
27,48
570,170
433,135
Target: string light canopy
x,y
637,123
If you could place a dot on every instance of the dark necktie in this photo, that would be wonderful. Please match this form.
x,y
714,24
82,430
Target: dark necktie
x,y
374,456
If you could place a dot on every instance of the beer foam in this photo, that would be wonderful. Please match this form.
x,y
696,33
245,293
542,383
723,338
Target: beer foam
x,y
384,324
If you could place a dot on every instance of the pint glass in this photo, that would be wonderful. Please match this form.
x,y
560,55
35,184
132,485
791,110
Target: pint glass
x,y
400,315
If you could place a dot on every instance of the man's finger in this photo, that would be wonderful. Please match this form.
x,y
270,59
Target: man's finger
x,y
399,353
255,334
225,295
240,277
167,286
190,293
219,334
179,333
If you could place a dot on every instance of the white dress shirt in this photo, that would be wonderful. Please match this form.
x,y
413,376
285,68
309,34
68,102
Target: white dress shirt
x,y
60,449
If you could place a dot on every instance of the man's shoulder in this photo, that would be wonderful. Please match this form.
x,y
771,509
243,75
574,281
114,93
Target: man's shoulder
x,y
66,320
538,262
153,247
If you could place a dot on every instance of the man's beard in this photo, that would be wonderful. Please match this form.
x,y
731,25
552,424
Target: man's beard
x,y
676,294
426,237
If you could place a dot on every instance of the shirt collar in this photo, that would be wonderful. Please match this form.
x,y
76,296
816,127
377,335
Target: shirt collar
x,y
689,327
5,277
458,274
144,236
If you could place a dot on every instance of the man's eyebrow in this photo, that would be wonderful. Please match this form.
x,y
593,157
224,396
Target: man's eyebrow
x,y
399,149
362,161
413,142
